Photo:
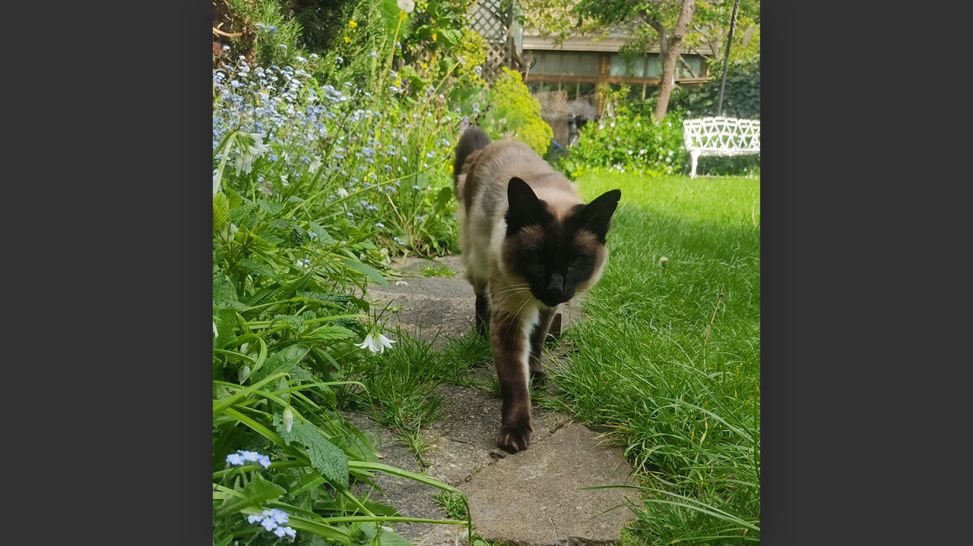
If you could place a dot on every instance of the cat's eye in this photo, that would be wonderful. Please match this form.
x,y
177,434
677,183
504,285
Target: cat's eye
x,y
580,261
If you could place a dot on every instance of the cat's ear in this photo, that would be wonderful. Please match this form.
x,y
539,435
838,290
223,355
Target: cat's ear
x,y
596,215
524,208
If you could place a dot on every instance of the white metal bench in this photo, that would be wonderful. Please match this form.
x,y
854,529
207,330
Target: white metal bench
x,y
720,136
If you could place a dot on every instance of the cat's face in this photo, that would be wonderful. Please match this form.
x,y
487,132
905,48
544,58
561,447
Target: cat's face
x,y
556,257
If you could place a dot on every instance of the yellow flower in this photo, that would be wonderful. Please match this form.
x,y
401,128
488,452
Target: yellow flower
x,y
352,24
347,39
434,36
398,83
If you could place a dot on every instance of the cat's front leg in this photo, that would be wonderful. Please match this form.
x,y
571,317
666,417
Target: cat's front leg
x,y
482,312
511,350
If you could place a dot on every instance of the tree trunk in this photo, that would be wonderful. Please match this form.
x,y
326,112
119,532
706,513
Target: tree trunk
x,y
670,56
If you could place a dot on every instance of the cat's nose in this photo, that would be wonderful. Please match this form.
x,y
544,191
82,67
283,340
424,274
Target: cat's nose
x,y
555,286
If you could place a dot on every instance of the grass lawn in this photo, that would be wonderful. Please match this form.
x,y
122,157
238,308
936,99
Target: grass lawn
x,y
668,356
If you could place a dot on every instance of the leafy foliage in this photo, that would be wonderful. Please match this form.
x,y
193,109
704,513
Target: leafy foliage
x,y
642,18
627,141
316,186
741,98
512,111
324,456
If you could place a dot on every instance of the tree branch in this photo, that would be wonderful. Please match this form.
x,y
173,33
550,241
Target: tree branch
x,y
661,31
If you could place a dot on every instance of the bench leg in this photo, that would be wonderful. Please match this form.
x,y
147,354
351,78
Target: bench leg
x,y
695,160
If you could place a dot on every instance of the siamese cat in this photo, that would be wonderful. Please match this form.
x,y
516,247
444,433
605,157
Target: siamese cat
x,y
528,244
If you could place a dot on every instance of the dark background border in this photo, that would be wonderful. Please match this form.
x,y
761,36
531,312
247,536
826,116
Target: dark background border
x,y
108,260
865,265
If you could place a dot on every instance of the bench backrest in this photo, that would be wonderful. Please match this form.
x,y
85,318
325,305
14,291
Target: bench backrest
x,y
722,136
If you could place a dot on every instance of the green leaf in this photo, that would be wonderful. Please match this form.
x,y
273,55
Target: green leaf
x,y
293,322
221,211
370,272
325,457
368,532
323,236
254,494
444,196
450,36
391,538
271,239
297,236
300,374
331,332
226,322
270,207
256,268
224,295
283,361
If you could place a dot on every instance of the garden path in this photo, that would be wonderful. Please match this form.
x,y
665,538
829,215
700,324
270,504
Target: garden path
x,y
532,497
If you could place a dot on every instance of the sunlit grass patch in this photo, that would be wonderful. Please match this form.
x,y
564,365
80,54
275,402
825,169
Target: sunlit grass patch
x,y
667,356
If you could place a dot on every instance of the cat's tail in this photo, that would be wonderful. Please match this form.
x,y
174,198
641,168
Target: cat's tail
x,y
473,139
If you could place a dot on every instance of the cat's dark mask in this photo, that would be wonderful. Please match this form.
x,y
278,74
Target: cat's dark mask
x,y
554,256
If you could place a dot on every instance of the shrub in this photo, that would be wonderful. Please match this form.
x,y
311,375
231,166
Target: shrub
x,y
506,110
741,98
516,112
629,142
269,35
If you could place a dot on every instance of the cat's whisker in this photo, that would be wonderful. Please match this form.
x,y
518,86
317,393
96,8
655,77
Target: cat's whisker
x,y
513,298
523,304
513,287
512,291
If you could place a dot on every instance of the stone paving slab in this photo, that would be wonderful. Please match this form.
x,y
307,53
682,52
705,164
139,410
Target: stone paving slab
x,y
535,497
463,439
411,498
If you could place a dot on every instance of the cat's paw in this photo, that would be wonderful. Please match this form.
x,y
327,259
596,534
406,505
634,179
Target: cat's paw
x,y
514,439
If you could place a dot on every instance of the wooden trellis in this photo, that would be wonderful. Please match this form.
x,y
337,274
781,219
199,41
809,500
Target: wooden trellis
x,y
494,20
